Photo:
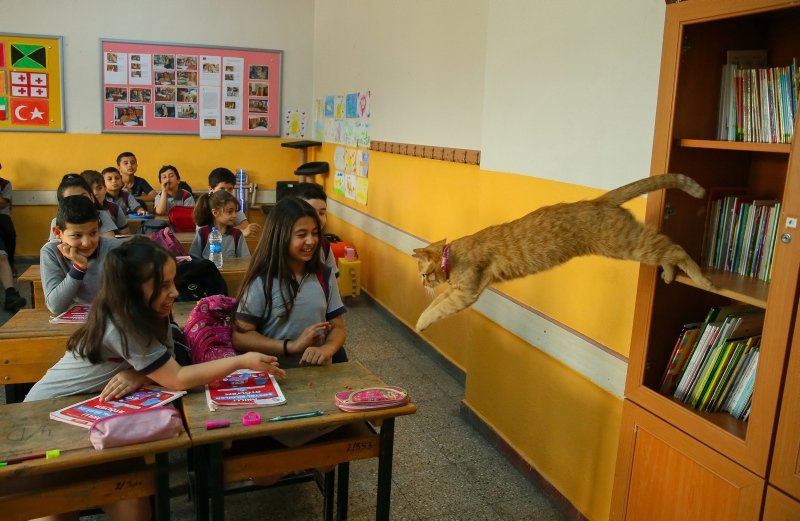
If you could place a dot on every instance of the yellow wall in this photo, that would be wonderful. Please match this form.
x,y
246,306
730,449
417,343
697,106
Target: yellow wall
x,y
565,426
36,161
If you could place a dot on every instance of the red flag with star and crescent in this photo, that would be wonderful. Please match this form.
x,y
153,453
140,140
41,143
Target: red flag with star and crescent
x,y
29,111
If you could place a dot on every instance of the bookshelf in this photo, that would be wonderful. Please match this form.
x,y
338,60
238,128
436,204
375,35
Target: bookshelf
x,y
673,461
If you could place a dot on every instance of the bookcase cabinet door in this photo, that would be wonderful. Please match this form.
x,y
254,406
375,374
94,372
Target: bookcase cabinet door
x,y
785,471
663,475
780,507
697,35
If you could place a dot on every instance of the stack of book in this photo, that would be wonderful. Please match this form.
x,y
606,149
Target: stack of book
x,y
713,364
371,398
757,103
243,389
741,234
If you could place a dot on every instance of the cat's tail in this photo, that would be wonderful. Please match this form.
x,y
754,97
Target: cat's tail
x,y
624,193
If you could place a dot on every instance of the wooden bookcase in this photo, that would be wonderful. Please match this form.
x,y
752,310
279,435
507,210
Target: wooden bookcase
x,y
673,461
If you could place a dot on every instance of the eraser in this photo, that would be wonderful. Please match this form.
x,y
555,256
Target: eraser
x,y
217,424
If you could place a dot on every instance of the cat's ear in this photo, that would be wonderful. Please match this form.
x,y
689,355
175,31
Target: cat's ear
x,y
432,250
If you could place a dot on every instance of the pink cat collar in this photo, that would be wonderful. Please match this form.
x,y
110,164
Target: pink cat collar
x,y
251,418
445,264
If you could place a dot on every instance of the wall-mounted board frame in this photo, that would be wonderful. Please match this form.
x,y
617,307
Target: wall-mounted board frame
x,y
31,72
190,89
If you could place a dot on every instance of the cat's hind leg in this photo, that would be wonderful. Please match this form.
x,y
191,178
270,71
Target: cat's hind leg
x,y
449,302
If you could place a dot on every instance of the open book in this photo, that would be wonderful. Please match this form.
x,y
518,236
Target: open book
x,y
244,388
77,314
85,413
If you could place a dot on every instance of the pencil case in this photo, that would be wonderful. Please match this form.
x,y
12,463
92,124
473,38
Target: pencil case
x,y
158,423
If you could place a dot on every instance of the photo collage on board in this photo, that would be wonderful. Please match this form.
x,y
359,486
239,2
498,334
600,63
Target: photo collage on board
x,y
258,93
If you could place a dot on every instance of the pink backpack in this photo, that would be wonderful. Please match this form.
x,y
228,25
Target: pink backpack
x,y
209,330
167,239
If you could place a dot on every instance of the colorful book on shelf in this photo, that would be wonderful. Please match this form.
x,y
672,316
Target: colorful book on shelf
x,y
77,314
741,348
244,388
680,355
85,413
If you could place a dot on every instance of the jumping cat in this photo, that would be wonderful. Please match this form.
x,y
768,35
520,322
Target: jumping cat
x,y
548,237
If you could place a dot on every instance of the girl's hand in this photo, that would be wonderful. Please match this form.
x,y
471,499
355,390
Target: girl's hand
x,y
124,382
72,254
252,230
309,337
315,356
260,362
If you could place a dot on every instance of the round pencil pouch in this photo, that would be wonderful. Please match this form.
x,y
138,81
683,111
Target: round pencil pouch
x,y
153,424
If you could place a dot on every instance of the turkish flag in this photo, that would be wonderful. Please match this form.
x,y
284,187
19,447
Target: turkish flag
x,y
30,112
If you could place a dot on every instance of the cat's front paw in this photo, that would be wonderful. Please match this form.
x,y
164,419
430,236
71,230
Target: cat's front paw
x,y
423,322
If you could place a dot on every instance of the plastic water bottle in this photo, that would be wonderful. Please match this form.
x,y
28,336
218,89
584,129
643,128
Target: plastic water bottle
x,y
241,188
215,247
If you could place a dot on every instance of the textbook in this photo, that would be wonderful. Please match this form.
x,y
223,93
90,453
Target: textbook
x,y
77,314
244,388
85,413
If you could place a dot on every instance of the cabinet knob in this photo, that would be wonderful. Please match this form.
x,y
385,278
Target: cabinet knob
x,y
786,238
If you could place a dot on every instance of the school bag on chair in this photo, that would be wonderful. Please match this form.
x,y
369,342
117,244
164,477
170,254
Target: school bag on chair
x,y
209,330
198,278
180,218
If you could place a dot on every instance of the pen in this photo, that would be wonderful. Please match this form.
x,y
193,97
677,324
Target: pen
x,y
50,454
297,416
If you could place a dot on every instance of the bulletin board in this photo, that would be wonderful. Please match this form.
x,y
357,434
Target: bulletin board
x,y
188,89
30,83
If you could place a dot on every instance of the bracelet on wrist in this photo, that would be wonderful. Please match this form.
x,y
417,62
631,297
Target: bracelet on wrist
x,y
286,347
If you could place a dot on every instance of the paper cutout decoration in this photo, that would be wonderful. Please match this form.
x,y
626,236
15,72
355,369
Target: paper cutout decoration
x,y
328,106
363,104
350,161
3,108
361,190
295,123
338,183
28,56
338,158
338,107
362,163
351,104
350,186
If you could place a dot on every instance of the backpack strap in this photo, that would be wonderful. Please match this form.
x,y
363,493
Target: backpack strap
x,y
184,195
113,209
323,273
203,237
237,234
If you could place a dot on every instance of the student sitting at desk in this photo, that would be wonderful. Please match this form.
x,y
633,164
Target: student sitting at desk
x,y
217,210
72,265
131,183
98,186
171,194
289,305
223,179
127,342
117,195
313,194
73,184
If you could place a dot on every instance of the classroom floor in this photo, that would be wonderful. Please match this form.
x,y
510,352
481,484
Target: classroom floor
x,y
443,468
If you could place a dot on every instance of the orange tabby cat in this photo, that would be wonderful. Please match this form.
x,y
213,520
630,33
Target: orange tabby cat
x,y
548,237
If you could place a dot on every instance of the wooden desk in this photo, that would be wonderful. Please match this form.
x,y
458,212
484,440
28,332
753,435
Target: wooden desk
x,y
30,345
81,477
186,241
33,279
238,452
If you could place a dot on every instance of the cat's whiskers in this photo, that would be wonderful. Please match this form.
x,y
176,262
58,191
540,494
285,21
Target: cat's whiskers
x,y
430,292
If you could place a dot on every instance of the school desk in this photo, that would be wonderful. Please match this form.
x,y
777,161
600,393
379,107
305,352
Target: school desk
x,y
237,453
81,477
30,345
186,238
32,278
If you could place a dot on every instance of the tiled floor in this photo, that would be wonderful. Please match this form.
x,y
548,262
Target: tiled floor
x,y
443,468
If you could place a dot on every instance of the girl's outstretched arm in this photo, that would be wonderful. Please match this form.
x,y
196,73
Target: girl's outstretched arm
x,y
178,378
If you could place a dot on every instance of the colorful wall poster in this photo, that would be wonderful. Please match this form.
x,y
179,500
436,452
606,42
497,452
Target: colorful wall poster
x,y
31,83
191,89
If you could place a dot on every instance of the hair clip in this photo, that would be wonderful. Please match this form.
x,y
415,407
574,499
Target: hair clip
x,y
251,418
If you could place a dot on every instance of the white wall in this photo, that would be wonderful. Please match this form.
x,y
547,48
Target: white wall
x,y
571,89
261,24
557,89
422,60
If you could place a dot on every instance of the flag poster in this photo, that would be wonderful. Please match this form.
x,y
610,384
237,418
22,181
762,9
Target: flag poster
x,y
30,83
